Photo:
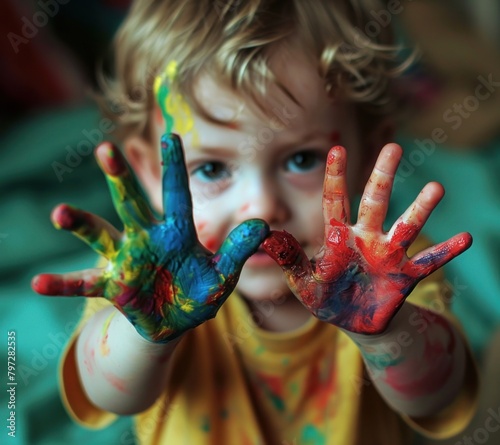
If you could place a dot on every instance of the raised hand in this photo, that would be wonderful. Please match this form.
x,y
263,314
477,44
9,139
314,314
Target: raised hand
x,y
362,275
159,275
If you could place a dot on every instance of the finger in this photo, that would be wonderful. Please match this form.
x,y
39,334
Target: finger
x,y
406,229
240,244
128,197
335,195
177,201
85,283
429,260
283,248
95,231
377,193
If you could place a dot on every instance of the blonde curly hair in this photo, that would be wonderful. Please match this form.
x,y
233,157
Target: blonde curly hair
x,y
231,39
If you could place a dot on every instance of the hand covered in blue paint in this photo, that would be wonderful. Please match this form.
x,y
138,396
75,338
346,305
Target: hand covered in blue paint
x,y
159,275
362,275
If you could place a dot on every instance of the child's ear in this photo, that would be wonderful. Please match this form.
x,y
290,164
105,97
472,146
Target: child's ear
x,y
144,158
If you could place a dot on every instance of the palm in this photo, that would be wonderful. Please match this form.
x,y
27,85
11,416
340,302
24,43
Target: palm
x,y
159,275
362,275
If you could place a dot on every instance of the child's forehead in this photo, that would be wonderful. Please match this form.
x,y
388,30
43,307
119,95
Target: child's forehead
x,y
297,88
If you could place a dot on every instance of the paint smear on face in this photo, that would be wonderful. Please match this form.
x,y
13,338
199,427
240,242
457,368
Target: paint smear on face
x,y
176,112
200,226
211,244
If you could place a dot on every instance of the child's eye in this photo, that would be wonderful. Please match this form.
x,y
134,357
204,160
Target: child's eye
x,y
303,161
211,171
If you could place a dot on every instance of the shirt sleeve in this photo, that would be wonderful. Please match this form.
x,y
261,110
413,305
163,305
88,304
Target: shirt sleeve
x,y
74,398
435,294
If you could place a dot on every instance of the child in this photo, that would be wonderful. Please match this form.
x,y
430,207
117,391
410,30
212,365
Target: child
x,y
259,91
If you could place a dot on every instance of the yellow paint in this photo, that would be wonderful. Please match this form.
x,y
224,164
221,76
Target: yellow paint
x,y
187,306
174,104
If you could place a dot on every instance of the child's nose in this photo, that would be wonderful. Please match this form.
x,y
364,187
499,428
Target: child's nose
x,y
262,200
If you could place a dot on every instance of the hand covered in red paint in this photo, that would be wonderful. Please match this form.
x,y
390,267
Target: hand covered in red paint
x,y
362,275
159,275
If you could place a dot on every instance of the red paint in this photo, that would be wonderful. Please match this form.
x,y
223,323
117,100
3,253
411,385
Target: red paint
x,y
88,356
282,248
245,207
163,291
115,381
49,284
436,366
211,243
69,218
326,388
233,125
158,116
405,234
201,225
111,159
335,162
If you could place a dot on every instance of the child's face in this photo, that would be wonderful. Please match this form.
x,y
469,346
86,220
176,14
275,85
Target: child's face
x,y
263,167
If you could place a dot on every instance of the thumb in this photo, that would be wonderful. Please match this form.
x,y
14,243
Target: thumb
x,y
283,248
240,244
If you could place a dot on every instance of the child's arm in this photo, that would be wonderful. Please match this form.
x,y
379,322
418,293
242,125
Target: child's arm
x,y
160,278
362,276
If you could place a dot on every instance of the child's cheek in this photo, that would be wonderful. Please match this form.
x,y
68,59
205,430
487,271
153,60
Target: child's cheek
x,y
211,242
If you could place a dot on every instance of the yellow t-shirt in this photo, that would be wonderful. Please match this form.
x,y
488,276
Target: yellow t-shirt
x,y
234,383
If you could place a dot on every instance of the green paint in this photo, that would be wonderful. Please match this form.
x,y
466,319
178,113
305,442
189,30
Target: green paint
x,y
162,92
381,361
259,350
312,436
205,424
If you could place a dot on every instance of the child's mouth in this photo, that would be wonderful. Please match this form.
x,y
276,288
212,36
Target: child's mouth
x,y
260,259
